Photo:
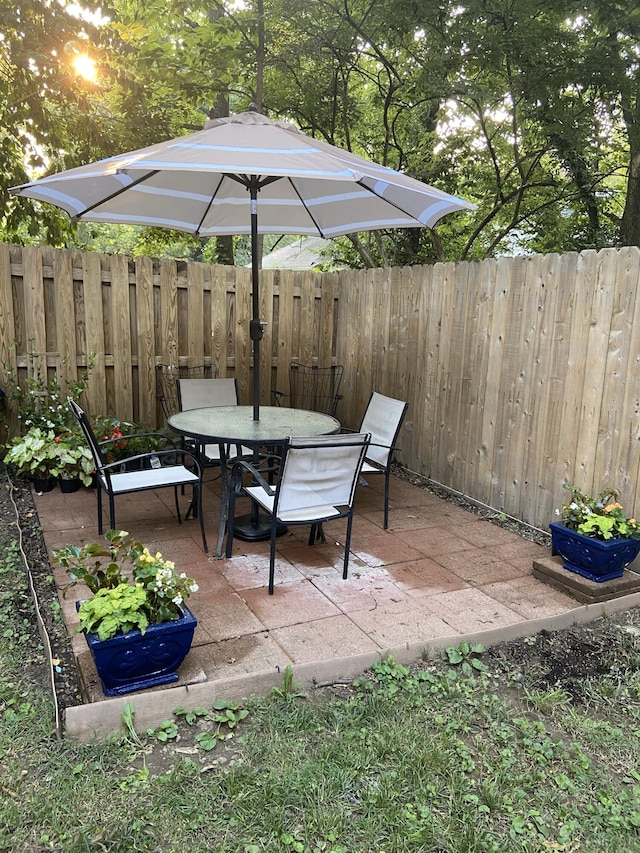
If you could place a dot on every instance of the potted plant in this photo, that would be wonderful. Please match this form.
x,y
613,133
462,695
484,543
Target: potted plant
x,y
75,462
136,622
36,456
595,537
121,440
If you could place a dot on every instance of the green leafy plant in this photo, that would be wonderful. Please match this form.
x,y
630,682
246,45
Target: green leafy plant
x,y
600,517
42,402
74,457
289,689
121,439
110,611
166,731
466,657
131,587
226,715
128,730
35,454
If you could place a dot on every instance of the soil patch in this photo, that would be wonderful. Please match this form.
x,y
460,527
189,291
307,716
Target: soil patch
x,y
19,523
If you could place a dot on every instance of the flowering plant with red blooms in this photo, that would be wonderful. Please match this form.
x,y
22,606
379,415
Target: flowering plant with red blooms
x,y
113,431
123,439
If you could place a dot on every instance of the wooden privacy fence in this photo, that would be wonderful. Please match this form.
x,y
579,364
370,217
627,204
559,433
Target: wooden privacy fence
x,y
520,372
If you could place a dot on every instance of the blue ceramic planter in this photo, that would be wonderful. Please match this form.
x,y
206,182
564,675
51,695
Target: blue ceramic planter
x,y
597,559
135,661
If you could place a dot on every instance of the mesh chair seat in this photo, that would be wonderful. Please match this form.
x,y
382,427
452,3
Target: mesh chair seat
x,y
149,478
383,419
317,482
155,470
293,516
167,376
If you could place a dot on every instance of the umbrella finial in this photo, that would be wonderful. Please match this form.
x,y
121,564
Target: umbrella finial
x,y
253,108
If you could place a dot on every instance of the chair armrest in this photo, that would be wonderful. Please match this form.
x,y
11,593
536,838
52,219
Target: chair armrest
x,y
158,454
389,447
242,467
278,396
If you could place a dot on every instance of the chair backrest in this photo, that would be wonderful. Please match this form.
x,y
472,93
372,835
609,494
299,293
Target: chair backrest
x,y
167,376
199,393
315,388
88,433
383,419
320,471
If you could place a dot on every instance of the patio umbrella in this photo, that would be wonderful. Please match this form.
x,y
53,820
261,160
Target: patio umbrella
x,y
209,182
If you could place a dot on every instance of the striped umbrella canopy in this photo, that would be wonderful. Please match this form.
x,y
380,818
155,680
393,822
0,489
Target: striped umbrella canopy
x,y
245,174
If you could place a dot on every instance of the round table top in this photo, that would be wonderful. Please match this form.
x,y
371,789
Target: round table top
x,y
235,424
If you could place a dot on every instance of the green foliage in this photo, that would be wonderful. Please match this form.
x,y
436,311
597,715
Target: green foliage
x,y
42,402
533,116
166,731
289,689
153,594
42,453
225,716
121,439
34,454
388,678
128,722
601,517
47,116
466,657
74,457
116,610
84,563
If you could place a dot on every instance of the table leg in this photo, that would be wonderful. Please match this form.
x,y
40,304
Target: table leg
x,y
224,501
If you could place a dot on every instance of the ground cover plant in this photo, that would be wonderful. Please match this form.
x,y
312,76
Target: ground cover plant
x,y
529,746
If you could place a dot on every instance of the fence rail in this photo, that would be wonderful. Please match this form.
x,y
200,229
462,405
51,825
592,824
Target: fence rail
x,y
520,372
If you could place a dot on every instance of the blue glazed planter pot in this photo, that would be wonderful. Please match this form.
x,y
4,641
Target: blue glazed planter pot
x,y
597,559
136,661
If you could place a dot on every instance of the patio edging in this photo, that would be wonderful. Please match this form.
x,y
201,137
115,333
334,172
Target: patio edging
x,y
100,719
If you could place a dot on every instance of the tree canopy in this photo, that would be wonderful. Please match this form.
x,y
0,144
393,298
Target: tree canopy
x,y
531,112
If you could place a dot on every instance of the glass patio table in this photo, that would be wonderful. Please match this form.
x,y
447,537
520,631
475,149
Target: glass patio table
x,y
225,425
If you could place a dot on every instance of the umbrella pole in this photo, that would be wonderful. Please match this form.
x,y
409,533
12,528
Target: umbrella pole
x,y
255,327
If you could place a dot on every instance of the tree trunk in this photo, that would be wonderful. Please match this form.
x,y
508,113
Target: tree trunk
x,y
630,223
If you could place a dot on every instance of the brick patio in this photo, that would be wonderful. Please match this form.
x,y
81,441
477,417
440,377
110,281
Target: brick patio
x,y
438,572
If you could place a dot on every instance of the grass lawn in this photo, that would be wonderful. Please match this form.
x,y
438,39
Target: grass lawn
x,y
472,753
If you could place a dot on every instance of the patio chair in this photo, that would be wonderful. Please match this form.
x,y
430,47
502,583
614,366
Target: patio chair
x,y
314,388
383,419
167,376
317,483
161,469
202,393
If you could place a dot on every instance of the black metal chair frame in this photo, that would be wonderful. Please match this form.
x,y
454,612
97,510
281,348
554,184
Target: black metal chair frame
x,y
312,387
326,444
146,476
371,465
167,376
